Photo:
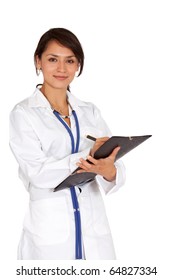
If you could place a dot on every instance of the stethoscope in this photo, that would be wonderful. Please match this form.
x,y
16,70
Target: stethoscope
x,y
74,149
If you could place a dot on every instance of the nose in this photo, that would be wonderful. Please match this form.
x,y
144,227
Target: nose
x,y
61,67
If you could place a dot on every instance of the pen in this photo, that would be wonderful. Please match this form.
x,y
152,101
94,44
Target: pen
x,y
91,137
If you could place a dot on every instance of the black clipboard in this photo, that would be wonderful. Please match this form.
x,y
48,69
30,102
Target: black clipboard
x,y
126,143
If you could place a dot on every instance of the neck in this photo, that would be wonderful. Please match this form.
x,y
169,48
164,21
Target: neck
x,y
56,97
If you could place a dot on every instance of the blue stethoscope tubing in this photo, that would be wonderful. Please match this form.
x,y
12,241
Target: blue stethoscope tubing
x,y
77,217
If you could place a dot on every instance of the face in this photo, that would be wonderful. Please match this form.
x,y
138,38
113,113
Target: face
x,y
58,65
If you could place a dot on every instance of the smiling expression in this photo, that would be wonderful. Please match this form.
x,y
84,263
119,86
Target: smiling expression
x,y
58,65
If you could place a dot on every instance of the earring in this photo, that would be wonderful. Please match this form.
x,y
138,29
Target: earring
x,y
38,71
77,73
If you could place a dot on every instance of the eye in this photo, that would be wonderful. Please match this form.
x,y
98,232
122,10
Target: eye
x,y
70,61
52,59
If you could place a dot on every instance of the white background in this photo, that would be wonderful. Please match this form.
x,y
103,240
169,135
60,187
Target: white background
x,y
128,74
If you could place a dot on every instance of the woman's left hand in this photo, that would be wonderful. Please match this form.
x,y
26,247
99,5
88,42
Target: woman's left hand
x,y
104,167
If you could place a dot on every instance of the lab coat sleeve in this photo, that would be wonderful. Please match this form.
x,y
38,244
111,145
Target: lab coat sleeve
x,y
111,187
106,186
34,166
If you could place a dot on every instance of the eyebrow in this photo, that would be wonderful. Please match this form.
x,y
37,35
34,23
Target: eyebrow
x,y
55,55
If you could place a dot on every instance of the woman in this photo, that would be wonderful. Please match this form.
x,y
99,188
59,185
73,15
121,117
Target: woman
x,y
48,138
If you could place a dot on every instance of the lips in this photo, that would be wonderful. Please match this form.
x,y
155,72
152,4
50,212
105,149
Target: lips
x,y
61,78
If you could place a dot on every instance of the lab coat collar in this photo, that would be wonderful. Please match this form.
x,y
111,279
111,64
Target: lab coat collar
x,y
39,100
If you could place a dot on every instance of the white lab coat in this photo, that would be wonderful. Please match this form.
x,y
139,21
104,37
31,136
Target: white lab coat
x,y
42,147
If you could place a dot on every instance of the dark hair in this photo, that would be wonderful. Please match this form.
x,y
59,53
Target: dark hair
x,y
66,38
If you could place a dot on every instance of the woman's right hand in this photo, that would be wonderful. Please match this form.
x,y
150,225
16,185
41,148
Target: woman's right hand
x,y
98,143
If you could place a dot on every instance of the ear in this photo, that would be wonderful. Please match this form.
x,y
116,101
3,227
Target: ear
x,y
37,62
78,69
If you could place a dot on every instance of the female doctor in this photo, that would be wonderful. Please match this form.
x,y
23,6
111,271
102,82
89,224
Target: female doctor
x,y
48,139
